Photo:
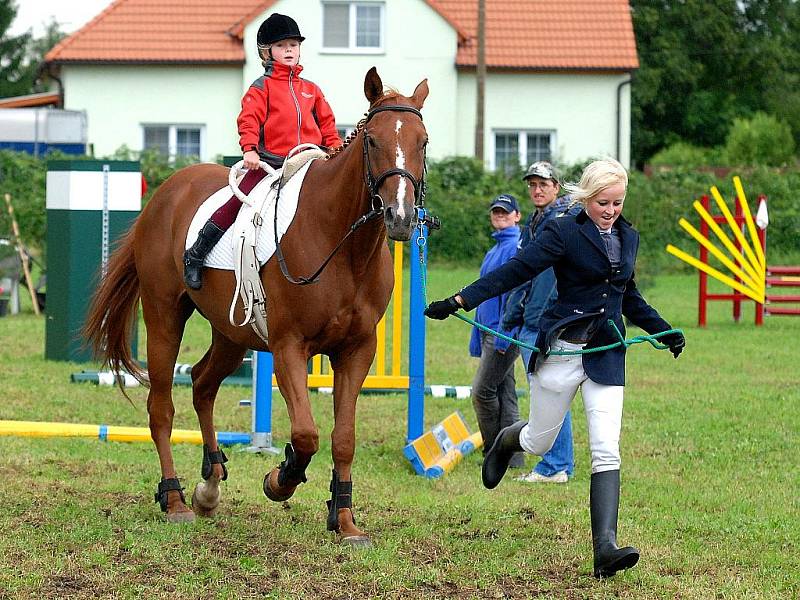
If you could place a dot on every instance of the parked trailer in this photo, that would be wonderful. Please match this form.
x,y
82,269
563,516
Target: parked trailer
x,y
37,130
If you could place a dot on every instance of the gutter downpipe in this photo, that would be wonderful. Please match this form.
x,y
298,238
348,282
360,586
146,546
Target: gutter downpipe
x,y
619,113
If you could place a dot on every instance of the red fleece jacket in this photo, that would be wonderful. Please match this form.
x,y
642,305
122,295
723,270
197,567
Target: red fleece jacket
x,y
282,110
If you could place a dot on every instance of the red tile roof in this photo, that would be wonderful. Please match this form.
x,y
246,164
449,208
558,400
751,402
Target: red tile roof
x,y
548,34
520,34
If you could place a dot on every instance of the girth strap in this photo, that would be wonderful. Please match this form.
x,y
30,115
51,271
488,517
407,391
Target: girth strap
x,y
168,485
341,497
213,458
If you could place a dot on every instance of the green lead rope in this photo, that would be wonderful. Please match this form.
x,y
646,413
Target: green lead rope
x,y
651,339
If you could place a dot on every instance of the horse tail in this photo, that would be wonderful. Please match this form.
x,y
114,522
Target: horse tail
x,y
112,314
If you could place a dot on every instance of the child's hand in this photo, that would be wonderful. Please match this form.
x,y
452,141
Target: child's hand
x,y
251,159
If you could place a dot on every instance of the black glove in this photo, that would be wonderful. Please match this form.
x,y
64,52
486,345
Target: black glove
x,y
441,309
675,341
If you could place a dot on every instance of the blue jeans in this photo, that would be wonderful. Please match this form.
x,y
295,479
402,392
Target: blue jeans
x,y
560,456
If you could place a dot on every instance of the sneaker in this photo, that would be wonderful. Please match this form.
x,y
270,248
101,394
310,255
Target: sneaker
x,y
534,477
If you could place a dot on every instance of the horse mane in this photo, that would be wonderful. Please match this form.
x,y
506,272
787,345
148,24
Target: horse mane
x,y
388,94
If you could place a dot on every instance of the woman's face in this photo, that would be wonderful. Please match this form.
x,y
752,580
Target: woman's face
x,y
606,207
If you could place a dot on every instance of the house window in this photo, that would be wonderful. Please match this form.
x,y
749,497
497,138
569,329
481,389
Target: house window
x,y
353,26
174,140
513,149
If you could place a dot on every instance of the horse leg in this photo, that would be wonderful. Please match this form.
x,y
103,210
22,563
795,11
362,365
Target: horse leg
x,y
350,368
165,321
221,359
291,373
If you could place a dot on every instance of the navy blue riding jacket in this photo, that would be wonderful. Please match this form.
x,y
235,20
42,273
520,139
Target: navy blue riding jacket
x,y
588,288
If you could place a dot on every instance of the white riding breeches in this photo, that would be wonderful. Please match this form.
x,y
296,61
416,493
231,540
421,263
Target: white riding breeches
x,y
553,386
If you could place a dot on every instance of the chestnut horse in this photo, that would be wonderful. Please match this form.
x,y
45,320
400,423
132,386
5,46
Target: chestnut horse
x,y
379,172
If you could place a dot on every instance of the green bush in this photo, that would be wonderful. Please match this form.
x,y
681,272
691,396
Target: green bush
x,y
687,156
23,177
459,191
762,140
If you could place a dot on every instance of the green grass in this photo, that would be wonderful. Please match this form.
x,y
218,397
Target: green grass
x,y
710,485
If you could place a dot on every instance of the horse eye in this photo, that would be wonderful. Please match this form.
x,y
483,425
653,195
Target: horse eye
x,y
372,142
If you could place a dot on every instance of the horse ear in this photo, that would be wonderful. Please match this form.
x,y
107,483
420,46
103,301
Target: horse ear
x,y
373,86
420,93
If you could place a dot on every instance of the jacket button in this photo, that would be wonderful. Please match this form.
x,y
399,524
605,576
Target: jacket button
x,y
605,281
605,295
602,310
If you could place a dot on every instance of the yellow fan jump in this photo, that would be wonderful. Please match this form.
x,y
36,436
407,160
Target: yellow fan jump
x,y
751,267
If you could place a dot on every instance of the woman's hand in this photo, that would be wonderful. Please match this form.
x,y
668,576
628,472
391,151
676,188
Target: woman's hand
x,y
675,341
251,160
441,309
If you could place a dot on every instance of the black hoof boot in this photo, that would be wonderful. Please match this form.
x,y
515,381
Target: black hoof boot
x,y
194,257
604,504
495,463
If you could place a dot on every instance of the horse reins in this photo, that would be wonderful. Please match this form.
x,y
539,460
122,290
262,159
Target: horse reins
x,y
373,184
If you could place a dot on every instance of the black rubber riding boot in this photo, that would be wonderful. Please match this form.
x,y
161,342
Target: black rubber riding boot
x,y
193,258
495,463
604,503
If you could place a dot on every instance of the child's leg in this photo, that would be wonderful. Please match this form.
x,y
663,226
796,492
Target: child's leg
x,y
225,215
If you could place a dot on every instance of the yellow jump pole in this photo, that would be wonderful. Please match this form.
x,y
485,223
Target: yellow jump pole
x,y
110,432
751,226
734,227
714,273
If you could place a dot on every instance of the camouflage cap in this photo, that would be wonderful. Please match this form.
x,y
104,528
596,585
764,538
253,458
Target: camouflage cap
x,y
542,169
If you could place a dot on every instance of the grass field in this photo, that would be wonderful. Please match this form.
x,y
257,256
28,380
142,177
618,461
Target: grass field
x,y
711,487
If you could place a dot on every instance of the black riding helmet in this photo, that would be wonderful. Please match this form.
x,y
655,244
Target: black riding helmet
x,y
275,28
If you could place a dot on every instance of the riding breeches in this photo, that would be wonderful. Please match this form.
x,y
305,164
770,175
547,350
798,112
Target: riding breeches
x,y
226,214
553,386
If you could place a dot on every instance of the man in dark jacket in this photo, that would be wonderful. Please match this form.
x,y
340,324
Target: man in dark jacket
x,y
528,302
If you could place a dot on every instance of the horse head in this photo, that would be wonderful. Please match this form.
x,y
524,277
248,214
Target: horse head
x,y
394,154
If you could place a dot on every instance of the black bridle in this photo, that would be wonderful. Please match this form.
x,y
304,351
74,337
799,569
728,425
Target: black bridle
x,y
373,185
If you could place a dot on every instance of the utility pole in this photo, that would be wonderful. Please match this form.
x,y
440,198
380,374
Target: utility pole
x,y
480,80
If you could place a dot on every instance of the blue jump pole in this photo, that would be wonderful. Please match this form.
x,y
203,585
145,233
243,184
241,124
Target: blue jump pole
x,y
262,403
416,336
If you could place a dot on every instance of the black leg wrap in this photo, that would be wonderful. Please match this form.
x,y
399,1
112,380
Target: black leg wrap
x,y
168,485
213,458
341,497
289,473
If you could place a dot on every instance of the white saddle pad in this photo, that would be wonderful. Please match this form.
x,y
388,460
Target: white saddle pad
x,y
222,255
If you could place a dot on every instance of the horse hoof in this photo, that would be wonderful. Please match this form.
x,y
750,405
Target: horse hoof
x,y
186,516
203,508
357,541
271,493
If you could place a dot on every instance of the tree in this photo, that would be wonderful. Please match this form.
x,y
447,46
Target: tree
x,y
705,63
16,72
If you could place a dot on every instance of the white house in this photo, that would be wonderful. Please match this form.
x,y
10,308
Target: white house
x,y
171,75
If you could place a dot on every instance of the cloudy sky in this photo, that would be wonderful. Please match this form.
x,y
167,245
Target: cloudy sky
x,y
70,14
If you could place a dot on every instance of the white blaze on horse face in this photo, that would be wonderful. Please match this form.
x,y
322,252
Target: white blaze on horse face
x,y
400,163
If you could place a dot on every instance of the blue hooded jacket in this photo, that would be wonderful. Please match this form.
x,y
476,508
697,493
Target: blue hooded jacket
x,y
491,311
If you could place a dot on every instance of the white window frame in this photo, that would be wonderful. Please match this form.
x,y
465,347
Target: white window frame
x,y
173,137
522,142
351,47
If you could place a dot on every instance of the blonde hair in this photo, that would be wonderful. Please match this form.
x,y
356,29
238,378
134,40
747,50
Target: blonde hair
x,y
596,177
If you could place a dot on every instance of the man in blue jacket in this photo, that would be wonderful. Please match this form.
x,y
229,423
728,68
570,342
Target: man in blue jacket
x,y
494,394
527,303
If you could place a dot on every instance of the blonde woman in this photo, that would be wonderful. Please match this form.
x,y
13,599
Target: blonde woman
x,y
593,255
